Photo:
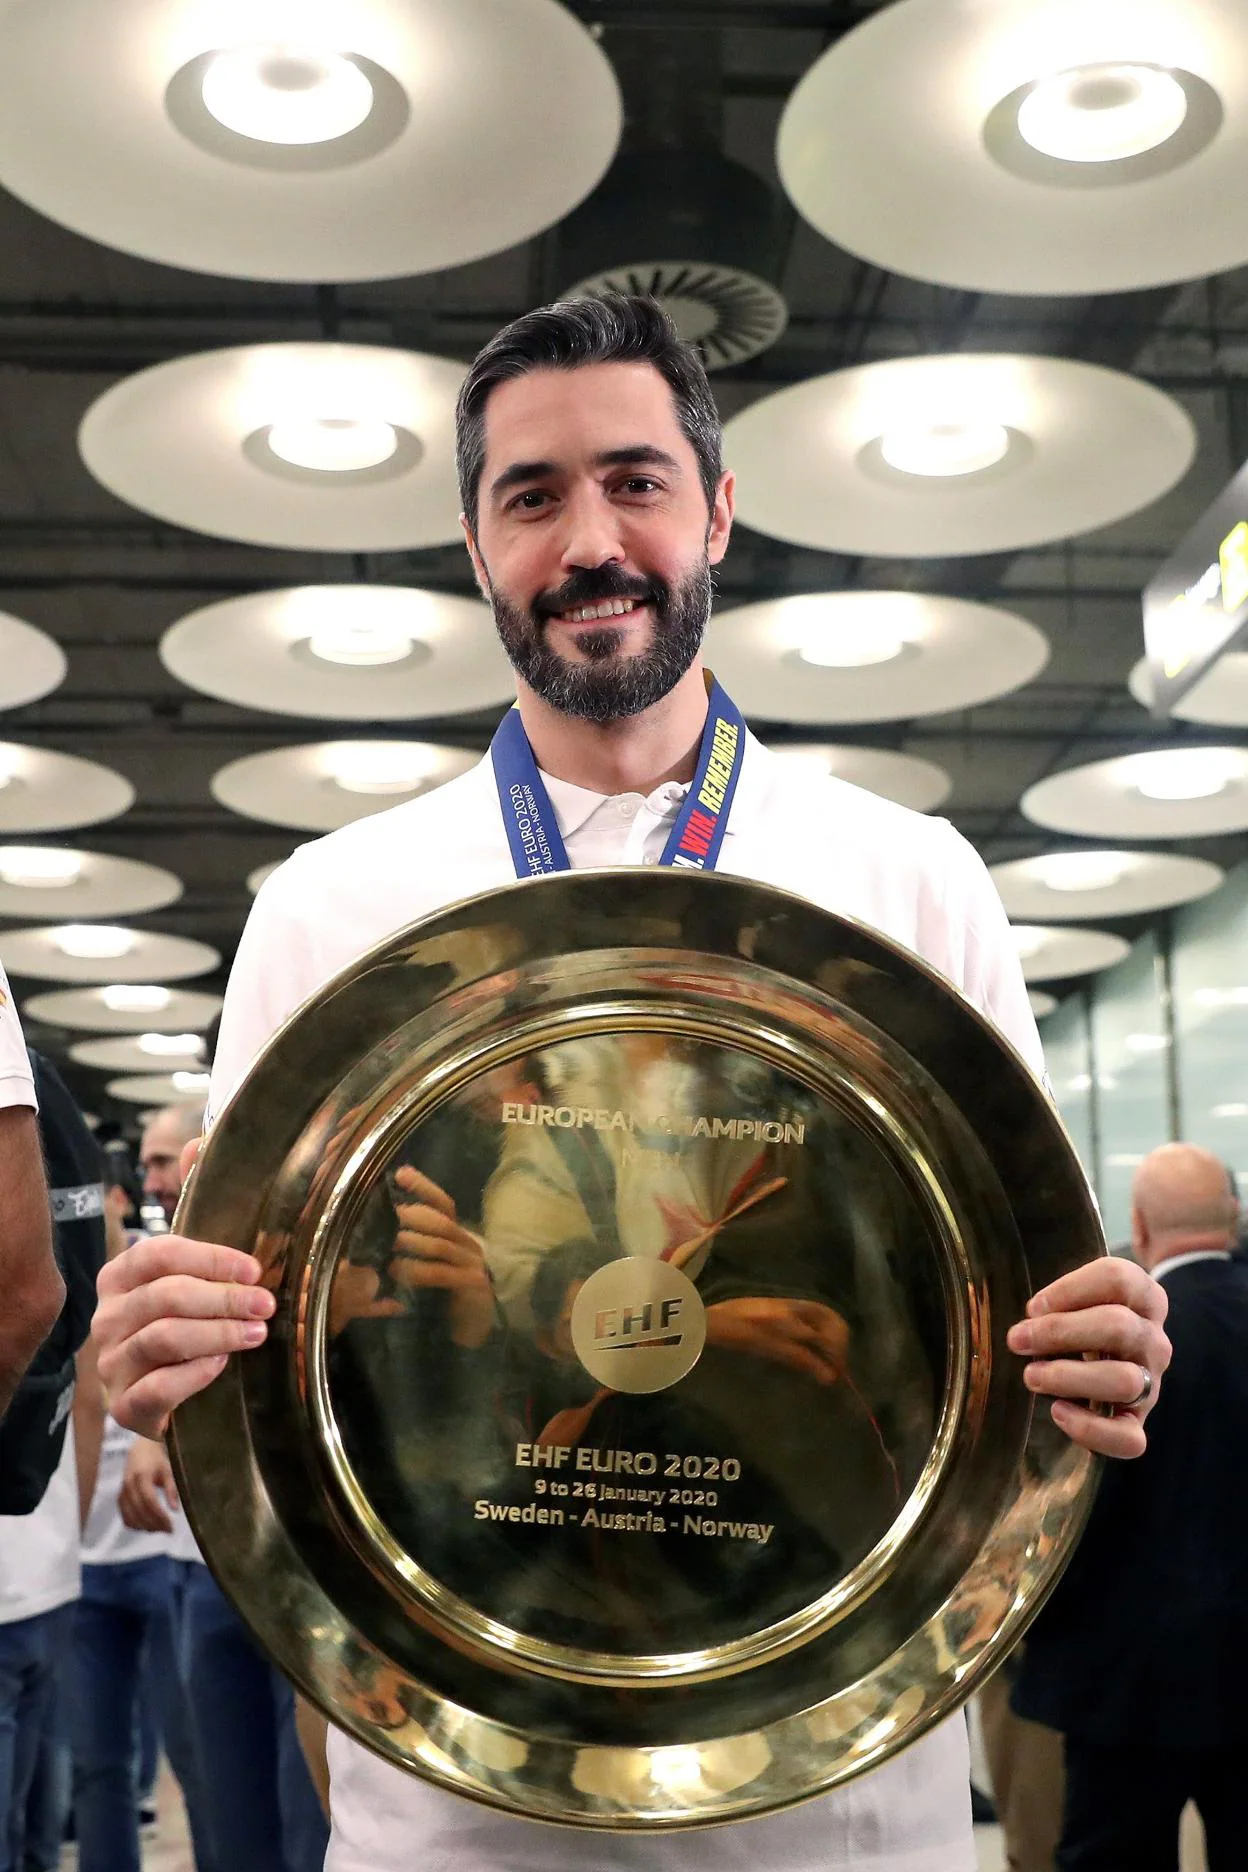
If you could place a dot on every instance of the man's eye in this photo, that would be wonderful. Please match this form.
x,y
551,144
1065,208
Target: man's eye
x,y
530,500
640,484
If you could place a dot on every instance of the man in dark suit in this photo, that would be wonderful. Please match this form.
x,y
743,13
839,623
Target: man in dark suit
x,y
1141,1657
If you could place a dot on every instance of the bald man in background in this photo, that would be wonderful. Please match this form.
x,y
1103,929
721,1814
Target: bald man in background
x,y
1141,1656
165,1138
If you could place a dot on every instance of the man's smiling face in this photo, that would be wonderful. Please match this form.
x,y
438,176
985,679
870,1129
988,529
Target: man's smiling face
x,y
594,542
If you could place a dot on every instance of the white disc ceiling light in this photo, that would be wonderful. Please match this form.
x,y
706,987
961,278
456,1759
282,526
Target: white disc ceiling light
x,y
1184,792
142,1053
31,663
121,1007
318,447
262,874
865,656
346,652
1057,954
304,139
1219,699
41,880
904,778
1030,146
45,792
103,952
327,784
929,457
1076,885
160,1089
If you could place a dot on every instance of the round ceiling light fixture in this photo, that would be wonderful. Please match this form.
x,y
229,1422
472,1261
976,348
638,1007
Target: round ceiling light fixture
x,y
1164,793
80,886
135,997
369,653
34,867
903,778
379,766
165,1045
1082,870
1028,940
843,643
1102,113
32,664
1028,146
42,791
286,94
93,942
1079,885
305,140
319,447
1049,954
321,785
333,444
944,450
86,1010
1184,773
954,453
868,656
358,645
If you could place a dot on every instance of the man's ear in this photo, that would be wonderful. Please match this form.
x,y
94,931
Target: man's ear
x,y
721,518
1139,1236
478,563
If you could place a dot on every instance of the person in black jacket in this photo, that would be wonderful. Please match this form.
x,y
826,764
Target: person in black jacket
x,y
1141,1656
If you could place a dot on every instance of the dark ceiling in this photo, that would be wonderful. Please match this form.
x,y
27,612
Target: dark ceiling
x,y
106,581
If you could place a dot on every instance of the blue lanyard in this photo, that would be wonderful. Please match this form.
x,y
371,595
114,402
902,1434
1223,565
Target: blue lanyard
x,y
695,839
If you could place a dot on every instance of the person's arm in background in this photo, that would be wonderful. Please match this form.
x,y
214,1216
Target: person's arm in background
x,y
31,1289
89,1412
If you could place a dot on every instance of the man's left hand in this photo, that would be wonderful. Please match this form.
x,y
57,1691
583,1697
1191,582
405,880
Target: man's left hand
x,y
1089,1339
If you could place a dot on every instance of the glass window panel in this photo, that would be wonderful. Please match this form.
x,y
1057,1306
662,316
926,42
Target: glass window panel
x,y
1210,982
1130,1045
1068,1060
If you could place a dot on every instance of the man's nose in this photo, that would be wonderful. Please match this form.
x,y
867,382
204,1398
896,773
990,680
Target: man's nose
x,y
591,533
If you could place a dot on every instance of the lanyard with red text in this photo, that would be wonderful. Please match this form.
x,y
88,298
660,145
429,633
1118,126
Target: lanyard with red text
x,y
695,839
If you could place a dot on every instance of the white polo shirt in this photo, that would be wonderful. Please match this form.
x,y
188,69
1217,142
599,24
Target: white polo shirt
x,y
914,879
17,1085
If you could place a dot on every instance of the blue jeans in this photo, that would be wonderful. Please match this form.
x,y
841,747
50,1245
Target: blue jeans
x,y
265,1812
125,1629
51,1789
30,1652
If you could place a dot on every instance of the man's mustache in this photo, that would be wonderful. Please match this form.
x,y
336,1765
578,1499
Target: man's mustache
x,y
594,587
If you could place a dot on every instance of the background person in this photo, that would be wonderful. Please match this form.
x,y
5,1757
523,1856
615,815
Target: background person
x,y
56,1419
263,1812
125,1637
1141,1656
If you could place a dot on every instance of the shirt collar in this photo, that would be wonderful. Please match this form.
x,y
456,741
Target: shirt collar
x,y
1187,1260
575,805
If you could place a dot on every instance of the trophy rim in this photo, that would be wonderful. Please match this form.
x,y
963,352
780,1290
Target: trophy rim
x,y
524,1769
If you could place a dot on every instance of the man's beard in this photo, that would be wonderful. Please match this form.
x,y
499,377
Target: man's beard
x,y
607,687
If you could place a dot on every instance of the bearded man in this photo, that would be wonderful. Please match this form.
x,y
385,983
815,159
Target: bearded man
x,y
595,507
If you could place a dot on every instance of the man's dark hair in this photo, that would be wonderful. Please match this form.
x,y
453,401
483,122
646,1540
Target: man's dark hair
x,y
612,329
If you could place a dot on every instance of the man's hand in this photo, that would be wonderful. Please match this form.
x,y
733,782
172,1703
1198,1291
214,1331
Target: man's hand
x,y
148,1491
171,1312
1089,1340
805,1335
431,1250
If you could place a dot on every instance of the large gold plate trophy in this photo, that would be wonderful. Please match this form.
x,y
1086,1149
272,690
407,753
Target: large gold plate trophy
x,y
723,1488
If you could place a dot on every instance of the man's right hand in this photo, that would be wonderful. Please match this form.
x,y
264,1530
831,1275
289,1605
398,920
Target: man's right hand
x,y
171,1311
